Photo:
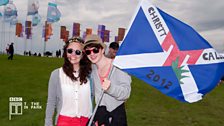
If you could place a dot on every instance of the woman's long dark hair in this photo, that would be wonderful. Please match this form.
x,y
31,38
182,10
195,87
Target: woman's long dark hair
x,y
85,65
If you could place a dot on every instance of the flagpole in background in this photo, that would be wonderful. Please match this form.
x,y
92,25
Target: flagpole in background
x,y
43,28
31,44
9,33
3,43
1,35
25,46
45,44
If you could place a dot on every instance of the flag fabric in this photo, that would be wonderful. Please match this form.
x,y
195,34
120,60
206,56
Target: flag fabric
x,y
106,36
43,32
48,31
116,38
21,34
33,6
0,14
63,32
14,20
100,32
84,35
28,28
19,29
169,55
89,31
121,32
66,36
53,14
3,2
76,29
10,12
36,19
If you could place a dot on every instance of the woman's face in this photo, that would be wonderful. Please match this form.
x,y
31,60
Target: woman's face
x,y
74,52
94,54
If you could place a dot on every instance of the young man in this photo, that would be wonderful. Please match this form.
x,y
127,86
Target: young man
x,y
114,82
113,47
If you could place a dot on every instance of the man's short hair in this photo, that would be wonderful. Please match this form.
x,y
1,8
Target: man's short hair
x,y
114,45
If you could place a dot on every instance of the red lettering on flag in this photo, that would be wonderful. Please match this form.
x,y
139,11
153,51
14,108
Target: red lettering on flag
x,y
176,52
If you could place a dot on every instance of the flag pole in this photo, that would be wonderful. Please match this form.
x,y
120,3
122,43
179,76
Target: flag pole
x,y
31,44
45,40
44,46
1,35
16,49
42,41
95,109
100,99
9,33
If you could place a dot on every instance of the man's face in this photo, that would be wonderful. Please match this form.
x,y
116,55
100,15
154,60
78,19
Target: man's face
x,y
112,52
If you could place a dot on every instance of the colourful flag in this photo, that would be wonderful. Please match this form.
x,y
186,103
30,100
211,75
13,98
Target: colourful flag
x,y
48,31
169,55
14,20
101,29
106,36
116,38
121,33
66,36
33,6
53,14
84,35
19,29
28,29
36,19
63,32
76,29
89,31
4,2
10,12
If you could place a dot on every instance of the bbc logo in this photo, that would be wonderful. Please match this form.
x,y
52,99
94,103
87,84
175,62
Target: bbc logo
x,y
15,106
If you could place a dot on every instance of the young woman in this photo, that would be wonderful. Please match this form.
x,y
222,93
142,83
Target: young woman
x,y
114,82
69,90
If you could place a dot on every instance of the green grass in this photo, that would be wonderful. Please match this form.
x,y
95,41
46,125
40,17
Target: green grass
x,y
27,77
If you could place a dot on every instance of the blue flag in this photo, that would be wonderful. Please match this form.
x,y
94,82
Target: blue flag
x,y
10,13
169,55
13,20
4,2
53,14
36,19
33,6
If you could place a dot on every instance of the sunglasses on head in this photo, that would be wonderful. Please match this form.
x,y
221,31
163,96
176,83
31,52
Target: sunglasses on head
x,y
94,50
77,52
76,39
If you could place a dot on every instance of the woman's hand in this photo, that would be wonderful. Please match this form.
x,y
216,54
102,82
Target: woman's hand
x,y
106,84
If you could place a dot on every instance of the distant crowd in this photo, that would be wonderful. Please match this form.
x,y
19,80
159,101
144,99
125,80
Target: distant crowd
x,y
111,52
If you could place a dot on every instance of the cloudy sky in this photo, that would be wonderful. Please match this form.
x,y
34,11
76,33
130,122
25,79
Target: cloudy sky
x,y
205,16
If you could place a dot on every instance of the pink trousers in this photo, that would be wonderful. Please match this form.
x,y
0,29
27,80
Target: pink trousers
x,y
72,121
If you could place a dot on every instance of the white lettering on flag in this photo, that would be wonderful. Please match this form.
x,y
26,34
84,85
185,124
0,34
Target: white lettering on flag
x,y
155,20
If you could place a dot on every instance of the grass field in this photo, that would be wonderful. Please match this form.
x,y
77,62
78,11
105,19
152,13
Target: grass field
x,y
27,77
